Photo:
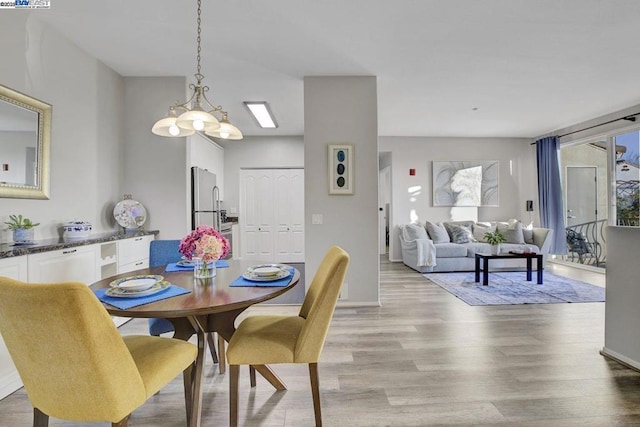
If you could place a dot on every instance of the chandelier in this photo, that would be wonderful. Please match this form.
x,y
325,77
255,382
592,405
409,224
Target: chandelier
x,y
197,113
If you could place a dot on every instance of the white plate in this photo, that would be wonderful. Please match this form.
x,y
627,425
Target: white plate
x,y
130,213
249,275
266,271
158,286
136,283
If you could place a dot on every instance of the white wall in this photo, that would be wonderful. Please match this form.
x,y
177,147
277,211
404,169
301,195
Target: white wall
x,y
343,110
622,317
155,168
257,152
85,135
412,195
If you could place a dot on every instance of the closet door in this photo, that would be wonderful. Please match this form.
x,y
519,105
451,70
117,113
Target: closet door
x,y
272,215
296,192
265,215
282,215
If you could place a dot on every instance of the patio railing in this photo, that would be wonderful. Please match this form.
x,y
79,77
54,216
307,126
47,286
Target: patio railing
x,y
586,243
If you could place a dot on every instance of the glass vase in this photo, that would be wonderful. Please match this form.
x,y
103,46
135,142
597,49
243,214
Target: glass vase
x,y
203,269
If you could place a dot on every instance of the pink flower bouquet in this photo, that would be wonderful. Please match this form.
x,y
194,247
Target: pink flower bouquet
x,y
204,242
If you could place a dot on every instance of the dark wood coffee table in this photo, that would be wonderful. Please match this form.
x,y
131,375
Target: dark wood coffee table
x,y
485,265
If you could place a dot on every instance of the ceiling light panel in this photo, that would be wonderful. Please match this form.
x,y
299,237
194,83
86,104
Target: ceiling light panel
x,y
260,111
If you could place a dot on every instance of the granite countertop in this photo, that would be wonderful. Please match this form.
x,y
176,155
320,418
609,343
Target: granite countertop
x,y
10,250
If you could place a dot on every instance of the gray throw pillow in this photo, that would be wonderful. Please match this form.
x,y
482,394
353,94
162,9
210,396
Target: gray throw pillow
x,y
451,225
513,233
438,233
460,233
479,231
413,232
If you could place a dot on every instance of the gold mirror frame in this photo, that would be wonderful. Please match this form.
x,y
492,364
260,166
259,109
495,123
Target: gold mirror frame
x,y
41,188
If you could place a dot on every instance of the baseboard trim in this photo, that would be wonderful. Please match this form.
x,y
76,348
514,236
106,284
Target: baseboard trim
x,y
347,304
621,359
10,383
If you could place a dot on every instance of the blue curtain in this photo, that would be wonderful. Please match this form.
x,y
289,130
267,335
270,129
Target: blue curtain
x,y
550,192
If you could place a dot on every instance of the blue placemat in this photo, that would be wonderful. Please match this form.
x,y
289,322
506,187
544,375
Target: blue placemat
x,y
221,263
241,281
125,303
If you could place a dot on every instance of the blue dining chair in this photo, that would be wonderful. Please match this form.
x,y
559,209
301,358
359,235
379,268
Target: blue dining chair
x,y
162,252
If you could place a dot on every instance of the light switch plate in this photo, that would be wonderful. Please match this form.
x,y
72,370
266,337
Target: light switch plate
x,y
316,219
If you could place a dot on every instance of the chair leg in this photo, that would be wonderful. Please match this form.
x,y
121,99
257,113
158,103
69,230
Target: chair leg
x,y
212,347
122,423
40,419
234,377
315,391
187,375
252,375
222,355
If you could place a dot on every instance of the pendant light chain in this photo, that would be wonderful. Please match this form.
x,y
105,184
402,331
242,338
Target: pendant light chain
x,y
197,113
199,76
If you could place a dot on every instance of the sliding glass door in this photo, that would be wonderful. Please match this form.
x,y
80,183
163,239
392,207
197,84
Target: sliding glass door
x,y
627,177
591,169
585,197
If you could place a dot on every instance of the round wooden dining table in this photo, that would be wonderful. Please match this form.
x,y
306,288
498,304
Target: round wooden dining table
x,y
211,306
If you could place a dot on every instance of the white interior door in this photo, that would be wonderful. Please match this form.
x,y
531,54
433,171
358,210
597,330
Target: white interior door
x,y
582,194
384,197
272,215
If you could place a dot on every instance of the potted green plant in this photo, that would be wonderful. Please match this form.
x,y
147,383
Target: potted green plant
x,y
495,238
22,228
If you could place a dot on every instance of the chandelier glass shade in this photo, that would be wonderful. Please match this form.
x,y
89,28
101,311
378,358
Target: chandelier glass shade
x,y
197,113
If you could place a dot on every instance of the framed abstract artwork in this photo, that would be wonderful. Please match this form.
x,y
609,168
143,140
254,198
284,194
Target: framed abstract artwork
x,y
465,183
340,168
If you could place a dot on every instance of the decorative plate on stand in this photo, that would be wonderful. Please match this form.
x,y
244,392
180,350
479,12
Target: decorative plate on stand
x,y
130,213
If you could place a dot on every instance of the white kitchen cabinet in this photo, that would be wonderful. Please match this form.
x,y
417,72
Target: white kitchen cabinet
x,y
108,259
133,253
272,215
15,268
77,264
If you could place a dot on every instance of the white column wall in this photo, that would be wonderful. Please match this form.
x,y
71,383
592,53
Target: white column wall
x,y
343,110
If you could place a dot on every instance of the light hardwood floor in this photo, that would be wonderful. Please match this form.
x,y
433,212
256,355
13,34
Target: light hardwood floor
x,y
425,358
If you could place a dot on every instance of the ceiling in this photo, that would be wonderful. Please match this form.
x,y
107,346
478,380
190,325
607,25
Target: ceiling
x,y
482,68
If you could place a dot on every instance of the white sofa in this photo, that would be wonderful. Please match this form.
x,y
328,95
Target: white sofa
x,y
425,255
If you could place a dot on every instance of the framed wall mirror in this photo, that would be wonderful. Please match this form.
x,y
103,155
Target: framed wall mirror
x,y
25,139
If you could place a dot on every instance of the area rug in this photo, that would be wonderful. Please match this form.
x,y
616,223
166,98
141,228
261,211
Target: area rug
x,y
512,288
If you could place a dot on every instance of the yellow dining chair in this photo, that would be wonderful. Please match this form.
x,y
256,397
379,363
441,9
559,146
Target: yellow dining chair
x,y
73,362
271,339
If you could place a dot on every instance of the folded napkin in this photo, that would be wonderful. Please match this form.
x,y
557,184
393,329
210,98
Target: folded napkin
x,y
221,263
241,281
125,303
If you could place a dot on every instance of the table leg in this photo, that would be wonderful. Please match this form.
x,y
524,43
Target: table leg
x,y
528,269
539,262
197,376
477,268
485,271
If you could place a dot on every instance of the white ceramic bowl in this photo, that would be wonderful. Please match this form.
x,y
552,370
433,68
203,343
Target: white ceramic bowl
x,y
77,229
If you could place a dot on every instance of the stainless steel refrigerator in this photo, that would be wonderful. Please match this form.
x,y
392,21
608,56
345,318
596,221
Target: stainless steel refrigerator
x,y
205,199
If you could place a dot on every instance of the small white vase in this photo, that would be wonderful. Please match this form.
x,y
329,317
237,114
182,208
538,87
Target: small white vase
x,y
495,249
